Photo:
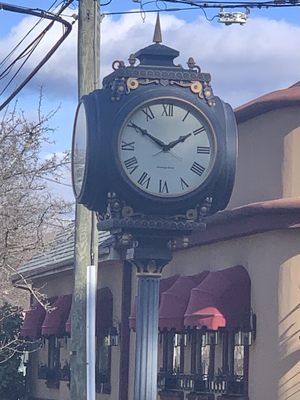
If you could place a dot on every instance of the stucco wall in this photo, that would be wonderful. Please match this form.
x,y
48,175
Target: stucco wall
x,y
55,285
268,164
273,263
110,274
272,260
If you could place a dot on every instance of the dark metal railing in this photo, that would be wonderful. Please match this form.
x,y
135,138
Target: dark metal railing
x,y
54,374
217,384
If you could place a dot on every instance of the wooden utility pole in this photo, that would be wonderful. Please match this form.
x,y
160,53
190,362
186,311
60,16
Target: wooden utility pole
x,y
86,237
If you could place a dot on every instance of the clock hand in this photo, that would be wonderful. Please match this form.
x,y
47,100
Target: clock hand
x,y
146,133
169,152
172,144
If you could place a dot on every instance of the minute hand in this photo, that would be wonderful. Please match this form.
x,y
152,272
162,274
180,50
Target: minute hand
x,y
146,133
172,144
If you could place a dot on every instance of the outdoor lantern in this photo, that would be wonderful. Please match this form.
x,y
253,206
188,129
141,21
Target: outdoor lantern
x,y
243,338
180,339
209,338
246,337
113,337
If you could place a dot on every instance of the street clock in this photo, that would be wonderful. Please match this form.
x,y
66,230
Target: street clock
x,y
156,138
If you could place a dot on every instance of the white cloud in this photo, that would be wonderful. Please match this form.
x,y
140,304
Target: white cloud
x,y
244,62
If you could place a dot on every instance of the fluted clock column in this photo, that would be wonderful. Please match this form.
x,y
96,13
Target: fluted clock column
x,y
149,258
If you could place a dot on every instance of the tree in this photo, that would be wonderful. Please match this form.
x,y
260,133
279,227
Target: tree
x,y
12,383
30,212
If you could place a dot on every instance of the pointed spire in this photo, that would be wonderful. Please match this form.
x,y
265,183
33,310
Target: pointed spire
x,y
157,37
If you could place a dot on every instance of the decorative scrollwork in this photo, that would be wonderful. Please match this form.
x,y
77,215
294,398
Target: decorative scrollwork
x,y
125,79
117,64
132,84
148,267
205,207
114,205
196,87
118,88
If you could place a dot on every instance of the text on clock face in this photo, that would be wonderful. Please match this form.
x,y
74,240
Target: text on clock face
x,y
166,148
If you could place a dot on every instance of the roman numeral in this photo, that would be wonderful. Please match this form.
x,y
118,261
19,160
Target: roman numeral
x,y
144,180
203,149
199,130
127,146
197,168
184,184
148,112
167,110
184,118
163,187
131,164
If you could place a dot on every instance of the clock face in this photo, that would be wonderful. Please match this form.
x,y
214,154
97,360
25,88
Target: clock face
x,y
167,148
79,149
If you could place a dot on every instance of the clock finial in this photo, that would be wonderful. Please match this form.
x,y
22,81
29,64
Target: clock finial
x,y
157,37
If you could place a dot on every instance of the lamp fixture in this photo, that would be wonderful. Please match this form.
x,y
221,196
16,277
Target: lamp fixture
x,y
243,338
112,338
209,338
180,339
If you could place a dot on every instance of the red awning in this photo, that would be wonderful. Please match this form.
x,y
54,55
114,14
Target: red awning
x,y
174,301
221,299
164,285
104,312
34,318
32,324
55,320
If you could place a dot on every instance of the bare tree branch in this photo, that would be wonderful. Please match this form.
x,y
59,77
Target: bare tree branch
x,y
30,213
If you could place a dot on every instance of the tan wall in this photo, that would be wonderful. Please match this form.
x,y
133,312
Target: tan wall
x,y
55,285
109,275
273,262
268,161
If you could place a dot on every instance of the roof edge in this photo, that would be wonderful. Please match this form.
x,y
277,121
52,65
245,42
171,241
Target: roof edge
x,y
288,97
250,219
239,222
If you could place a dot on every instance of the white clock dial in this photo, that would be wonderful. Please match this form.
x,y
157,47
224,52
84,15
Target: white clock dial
x,y
79,149
167,148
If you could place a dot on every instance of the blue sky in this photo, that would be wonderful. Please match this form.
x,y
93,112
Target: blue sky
x,y
245,61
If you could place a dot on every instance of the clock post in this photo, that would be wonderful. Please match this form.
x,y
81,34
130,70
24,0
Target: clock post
x,y
150,257
159,156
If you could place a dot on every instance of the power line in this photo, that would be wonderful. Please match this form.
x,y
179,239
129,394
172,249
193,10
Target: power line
x,y
42,14
196,5
234,4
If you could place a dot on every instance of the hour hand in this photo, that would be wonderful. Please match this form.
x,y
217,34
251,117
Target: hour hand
x,y
181,139
146,133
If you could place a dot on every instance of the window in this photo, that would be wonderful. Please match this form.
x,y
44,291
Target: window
x,y
51,371
215,362
103,365
219,362
53,352
203,362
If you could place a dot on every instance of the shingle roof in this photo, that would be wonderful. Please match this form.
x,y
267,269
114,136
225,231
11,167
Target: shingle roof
x,y
58,253
271,101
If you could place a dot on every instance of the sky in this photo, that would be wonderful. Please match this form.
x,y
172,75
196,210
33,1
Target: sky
x,y
244,61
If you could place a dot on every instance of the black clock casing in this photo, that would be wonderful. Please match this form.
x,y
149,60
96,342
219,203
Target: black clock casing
x,y
126,90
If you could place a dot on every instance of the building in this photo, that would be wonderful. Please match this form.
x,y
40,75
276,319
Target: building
x,y
229,302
